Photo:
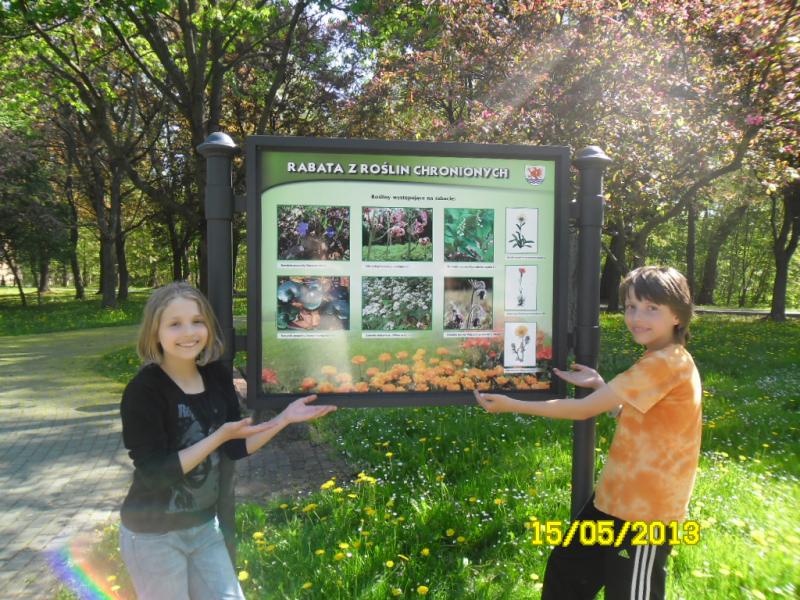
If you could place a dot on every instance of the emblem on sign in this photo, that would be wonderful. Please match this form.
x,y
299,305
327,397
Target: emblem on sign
x,y
534,174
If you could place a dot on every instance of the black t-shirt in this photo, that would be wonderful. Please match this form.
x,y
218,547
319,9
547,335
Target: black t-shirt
x,y
158,421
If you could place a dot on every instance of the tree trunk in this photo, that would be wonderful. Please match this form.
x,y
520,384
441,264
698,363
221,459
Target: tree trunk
x,y
12,264
122,264
691,243
784,244
44,275
615,268
77,280
108,271
716,240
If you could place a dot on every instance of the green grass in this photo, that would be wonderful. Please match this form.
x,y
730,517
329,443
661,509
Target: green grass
x,y
59,311
484,477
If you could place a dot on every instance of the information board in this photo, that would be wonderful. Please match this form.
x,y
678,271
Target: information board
x,y
388,274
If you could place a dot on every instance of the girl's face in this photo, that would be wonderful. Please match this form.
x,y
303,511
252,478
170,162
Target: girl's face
x,y
651,325
182,331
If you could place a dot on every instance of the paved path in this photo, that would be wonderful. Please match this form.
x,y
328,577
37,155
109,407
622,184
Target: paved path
x,y
63,470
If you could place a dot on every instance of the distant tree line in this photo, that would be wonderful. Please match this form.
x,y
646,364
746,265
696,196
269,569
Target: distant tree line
x,y
104,105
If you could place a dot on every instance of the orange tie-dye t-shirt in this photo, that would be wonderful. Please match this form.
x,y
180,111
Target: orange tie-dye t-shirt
x,y
652,462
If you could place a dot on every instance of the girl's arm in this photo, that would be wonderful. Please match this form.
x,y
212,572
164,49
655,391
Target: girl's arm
x,y
577,409
297,412
196,453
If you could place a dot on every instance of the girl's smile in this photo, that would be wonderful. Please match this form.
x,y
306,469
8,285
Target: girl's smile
x,y
182,331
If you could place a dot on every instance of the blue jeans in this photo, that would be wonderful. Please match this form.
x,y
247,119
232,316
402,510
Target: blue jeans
x,y
183,564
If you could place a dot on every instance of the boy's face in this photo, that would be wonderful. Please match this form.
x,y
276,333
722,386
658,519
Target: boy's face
x,y
651,325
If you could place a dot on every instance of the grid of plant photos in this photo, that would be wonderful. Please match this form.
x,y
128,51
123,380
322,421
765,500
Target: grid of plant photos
x,y
422,306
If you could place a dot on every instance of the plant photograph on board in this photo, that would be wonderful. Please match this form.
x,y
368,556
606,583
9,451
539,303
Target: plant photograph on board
x,y
468,303
313,303
313,233
521,287
397,234
468,235
522,225
396,303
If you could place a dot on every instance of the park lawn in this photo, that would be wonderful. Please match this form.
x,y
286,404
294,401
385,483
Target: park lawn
x,y
445,498
58,310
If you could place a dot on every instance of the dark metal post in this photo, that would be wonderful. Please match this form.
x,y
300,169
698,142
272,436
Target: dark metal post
x,y
219,150
591,162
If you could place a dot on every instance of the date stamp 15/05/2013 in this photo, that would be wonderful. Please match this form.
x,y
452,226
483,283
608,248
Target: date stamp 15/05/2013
x,y
602,533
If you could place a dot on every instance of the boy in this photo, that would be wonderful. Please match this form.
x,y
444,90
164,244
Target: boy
x,y
652,462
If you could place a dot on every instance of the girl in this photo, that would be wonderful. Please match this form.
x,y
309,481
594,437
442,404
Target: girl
x,y
177,413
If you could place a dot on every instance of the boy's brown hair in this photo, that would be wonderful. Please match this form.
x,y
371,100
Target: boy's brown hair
x,y
662,285
149,348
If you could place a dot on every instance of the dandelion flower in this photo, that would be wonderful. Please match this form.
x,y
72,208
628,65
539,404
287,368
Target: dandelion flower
x,y
308,585
422,590
244,575
258,535
338,556
425,552
450,532
344,545
319,551
328,484
390,563
397,592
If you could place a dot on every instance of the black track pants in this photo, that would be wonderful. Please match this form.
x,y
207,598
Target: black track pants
x,y
577,572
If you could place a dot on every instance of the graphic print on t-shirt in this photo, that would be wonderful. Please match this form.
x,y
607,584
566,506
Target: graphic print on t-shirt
x,y
199,487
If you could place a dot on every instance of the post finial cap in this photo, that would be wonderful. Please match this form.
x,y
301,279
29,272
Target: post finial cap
x,y
218,143
591,156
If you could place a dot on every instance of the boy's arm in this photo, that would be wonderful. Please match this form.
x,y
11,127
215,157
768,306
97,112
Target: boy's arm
x,y
577,409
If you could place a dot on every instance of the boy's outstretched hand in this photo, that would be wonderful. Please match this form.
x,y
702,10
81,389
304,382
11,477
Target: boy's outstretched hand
x,y
495,403
582,376
299,410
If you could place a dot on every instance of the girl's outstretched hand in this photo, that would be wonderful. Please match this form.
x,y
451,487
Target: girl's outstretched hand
x,y
300,410
582,376
495,403
243,428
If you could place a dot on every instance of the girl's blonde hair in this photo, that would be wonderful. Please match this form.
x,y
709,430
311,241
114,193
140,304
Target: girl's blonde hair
x,y
662,285
148,346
